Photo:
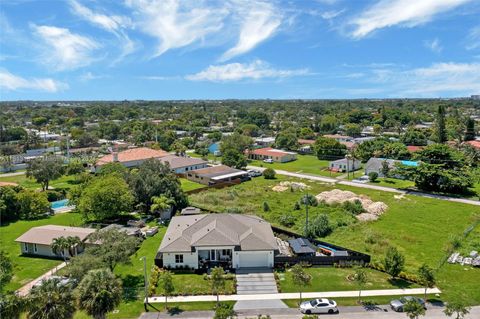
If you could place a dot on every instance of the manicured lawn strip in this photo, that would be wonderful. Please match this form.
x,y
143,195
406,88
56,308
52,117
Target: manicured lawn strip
x,y
66,181
393,183
419,227
188,185
29,268
353,301
195,284
335,279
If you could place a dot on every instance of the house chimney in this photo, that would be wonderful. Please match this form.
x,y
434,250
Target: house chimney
x,y
115,156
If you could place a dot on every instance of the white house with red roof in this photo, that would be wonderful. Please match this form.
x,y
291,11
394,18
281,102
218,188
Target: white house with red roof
x,y
271,153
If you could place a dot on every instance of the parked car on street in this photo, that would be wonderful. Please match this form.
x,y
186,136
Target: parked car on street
x,y
322,305
397,304
268,160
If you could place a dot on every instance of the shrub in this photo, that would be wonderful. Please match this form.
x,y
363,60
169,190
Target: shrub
x,y
266,207
224,311
354,207
319,227
269,173
372,176
286,220
310,317
54,195
296,206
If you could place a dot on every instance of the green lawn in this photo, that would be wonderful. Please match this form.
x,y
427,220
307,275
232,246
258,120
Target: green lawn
x,y
188,185
419,227
66,181
336,279
393,183
194,284
28,268
308,164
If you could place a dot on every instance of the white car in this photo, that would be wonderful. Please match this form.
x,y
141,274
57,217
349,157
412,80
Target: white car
x,y
268,160
319,306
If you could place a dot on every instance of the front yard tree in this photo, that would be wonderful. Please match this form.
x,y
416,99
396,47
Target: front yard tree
x,y
413,309
269,173
234,158
105,197
329,149
160,204
372,176
43,170
98,293
167,285
116,247
59,246
155,179
385,169
51,300
31,204
393,262
6,270
217,281
427,277
457,307
300,278
361,278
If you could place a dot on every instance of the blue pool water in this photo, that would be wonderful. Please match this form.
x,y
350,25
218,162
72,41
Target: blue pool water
x,y
59,204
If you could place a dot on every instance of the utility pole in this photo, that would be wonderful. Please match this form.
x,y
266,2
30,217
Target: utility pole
x,y
145,281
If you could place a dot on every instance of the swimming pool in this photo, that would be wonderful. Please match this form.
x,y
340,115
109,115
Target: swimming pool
x,y
59,204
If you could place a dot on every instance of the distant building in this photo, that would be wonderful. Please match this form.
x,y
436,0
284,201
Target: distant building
x,y
344,165
216,175
131,157
265,141
475,97
375,164
339,138
271,153
215,149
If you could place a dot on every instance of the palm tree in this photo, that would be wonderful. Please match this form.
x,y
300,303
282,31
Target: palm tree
x,y
73,243
51,300
59,245
99,292
160,204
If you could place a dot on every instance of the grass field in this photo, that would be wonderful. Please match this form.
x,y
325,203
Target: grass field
x,y
65,182
419,227
28,268
188,185
336,279
393,183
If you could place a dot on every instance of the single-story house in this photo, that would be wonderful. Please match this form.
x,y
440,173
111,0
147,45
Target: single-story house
x,y
214,149
228,240
344,165
180,164
302,247
339,138
130,158
475,144
271,153
216,174
265,141
306,146
38,240
375,165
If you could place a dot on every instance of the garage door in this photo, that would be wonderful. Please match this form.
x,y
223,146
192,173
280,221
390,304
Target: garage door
x,y
248,260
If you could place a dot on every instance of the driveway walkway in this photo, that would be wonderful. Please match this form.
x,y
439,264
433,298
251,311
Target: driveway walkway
x,y
294,295
376,187
23,291
255,281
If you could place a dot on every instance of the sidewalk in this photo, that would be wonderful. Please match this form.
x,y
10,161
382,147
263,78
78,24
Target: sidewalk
x,y
23,291
296,295
375,187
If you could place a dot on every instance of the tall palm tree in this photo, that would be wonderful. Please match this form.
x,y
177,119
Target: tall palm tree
x,y
51,300
73,243
59,245
99,292
160,203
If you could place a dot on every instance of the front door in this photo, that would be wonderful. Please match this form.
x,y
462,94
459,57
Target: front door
x,y
213,255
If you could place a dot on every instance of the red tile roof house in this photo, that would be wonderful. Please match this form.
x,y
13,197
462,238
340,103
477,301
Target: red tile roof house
x,y
271,153
413,148
475,144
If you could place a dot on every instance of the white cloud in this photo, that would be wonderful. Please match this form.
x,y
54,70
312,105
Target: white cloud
x,y
111,23
240,71
434,45
407,13
65,50
260,21
177,23
473,39
11,82
439,79
328,15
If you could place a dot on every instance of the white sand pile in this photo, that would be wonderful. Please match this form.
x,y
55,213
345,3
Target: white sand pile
x,y
283,186
372,209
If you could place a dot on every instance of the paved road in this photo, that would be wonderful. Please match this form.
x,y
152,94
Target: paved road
x,y
345,313
362,185
12,174
294,295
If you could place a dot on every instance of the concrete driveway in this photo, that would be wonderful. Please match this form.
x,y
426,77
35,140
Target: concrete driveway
x,y
252,281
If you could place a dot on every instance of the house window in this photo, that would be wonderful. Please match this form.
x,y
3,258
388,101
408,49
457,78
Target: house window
x,y
25,246
213,255
35,248
179,259
226,252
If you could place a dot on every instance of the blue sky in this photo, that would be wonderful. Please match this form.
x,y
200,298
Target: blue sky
x,y
194,49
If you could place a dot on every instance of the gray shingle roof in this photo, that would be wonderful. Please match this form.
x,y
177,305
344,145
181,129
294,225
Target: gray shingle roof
x,y
179,161
244,231
44,235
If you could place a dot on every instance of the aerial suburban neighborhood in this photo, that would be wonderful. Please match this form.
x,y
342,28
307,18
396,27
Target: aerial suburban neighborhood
x,y
239,159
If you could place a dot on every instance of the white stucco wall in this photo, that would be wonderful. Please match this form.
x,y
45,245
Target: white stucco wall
x,y
189,259
41,250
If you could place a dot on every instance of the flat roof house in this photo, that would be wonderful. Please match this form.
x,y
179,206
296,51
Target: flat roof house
x,y
271,153
130,158
38,240
207,240
344,165
216,174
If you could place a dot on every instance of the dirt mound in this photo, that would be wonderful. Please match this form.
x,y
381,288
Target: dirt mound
x,y
283,186
372,209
